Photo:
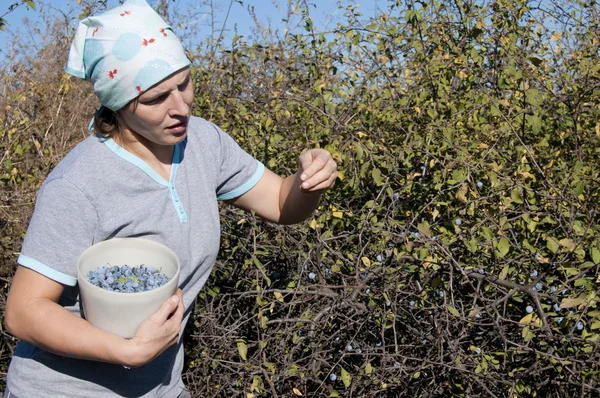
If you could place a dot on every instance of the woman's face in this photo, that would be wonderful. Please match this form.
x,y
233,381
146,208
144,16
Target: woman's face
x,y
163,111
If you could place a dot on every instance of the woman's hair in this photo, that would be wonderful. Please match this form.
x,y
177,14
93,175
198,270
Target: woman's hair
x,y
106,121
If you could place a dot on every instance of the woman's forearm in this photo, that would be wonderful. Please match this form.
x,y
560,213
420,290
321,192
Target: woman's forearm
x,y
296,204
50,326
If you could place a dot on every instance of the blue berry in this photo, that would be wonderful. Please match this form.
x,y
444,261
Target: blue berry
x,y
312,275
126,279
457,221
332,377
533,274
529,309
579,325
479,184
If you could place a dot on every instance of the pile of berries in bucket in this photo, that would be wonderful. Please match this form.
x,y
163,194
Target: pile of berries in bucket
x,y
126,279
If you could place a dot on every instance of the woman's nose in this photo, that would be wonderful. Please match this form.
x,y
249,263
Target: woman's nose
x,y
178,105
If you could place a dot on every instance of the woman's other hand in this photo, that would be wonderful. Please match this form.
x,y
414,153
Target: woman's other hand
x,y
157,333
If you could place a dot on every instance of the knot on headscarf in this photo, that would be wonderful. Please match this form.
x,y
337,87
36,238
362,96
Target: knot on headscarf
x,y
124,52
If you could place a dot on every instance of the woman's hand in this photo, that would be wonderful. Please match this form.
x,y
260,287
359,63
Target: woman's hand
x,y
157,333
318,170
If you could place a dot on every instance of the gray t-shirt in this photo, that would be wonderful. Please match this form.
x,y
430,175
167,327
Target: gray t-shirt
x,y
100,191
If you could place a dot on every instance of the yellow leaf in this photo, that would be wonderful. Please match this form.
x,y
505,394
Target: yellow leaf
x,y
243,220
427,263
366,261
314,224
296,391
568,243
337,214
346,378
527,318
598,129
461,194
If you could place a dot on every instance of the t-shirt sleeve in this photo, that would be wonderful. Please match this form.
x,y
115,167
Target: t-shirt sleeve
x,y
63,225
238,170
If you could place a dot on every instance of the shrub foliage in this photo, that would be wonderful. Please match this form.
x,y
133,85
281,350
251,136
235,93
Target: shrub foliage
x,y
457,255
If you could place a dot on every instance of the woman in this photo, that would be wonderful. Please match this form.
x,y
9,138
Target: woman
x,y
152,171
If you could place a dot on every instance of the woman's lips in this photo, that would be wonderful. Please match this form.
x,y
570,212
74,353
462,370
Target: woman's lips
x,y
178,128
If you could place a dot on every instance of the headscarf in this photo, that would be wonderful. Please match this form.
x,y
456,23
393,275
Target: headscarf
x,y
124,52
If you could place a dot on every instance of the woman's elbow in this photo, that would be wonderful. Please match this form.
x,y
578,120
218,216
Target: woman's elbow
x,y
11,320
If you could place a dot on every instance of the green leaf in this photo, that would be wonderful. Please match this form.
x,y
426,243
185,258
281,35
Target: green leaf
x,y
453,311
458,175
242,349
533,97
346,378
552,245
503,273
571,302
516,196
379,180
487,233
424,228
595,254
502,247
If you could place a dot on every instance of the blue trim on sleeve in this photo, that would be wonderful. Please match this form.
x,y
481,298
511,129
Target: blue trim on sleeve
x,y
242,189
46,271
131,158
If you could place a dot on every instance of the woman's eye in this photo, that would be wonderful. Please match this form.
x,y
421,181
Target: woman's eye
x,y
156,100
183,85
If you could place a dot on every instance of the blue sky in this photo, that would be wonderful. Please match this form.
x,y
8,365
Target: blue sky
x,y
325,14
